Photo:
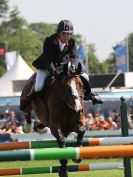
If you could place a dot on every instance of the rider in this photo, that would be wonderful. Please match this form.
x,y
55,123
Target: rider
x,y
59,48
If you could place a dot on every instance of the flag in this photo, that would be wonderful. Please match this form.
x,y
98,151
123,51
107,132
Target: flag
x,y
81,55
81,52
121,55
10,59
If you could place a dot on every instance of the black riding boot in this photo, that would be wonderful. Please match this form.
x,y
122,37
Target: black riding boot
x,y
88,95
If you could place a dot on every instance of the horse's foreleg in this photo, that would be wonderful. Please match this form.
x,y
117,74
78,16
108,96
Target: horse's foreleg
x,y
27,125
63,172
60,139
80,130
28,117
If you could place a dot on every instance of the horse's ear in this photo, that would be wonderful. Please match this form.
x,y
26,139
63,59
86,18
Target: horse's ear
x,y
65,68
79,68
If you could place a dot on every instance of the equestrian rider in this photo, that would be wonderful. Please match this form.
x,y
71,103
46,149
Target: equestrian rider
x,y
60,48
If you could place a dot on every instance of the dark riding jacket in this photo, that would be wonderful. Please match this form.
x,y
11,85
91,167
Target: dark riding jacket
x,y
52,56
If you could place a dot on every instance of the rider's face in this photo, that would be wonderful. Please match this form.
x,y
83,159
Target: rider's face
x,y
64,37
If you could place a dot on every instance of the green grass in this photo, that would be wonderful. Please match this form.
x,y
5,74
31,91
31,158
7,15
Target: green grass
x,y
98,173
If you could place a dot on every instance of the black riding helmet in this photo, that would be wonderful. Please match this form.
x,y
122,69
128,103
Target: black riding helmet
x,y
65,26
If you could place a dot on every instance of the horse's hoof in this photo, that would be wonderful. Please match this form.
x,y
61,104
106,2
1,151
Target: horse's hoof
x,y
63,173
76,160
27,128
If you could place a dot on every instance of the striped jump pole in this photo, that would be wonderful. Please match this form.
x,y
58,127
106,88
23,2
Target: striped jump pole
x,y
69,143
67,153
54,169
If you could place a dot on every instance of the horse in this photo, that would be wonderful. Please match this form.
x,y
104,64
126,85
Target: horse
x,y
64,104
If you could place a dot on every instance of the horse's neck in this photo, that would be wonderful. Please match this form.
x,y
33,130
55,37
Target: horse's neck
x,y
53,87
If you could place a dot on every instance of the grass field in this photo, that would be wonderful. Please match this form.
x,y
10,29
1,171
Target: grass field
x,y
98,173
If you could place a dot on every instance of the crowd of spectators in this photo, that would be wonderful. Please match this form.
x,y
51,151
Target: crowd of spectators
x,y
12,122
100,121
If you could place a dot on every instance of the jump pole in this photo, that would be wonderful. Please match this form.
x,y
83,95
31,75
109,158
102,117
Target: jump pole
x,y
69,143
67,153
54,169
124,131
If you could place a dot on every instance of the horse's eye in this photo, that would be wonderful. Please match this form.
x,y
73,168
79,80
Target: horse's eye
x,y
75,97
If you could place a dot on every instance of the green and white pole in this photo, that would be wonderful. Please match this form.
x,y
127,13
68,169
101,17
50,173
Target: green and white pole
x,y
54,169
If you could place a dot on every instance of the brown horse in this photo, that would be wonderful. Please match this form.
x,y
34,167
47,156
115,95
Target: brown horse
x,y
65,106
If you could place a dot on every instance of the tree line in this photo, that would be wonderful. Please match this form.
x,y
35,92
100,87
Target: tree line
x,y
18,34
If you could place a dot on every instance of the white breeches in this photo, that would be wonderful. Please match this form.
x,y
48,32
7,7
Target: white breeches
x,y
40,79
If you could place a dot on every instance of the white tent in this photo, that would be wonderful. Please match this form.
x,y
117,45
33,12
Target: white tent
x,y
12,81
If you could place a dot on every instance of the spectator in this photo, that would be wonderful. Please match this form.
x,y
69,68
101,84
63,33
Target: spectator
x,y
7,115
90,122
116,117
2,121
100,122
13,116
17,128
98,125
7,128
111,124
130,121
11,127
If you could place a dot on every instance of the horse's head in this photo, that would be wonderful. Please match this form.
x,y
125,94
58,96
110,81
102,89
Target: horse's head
x,y
71,89
73,96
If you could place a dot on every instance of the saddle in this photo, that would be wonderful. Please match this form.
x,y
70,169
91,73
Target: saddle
x,y
29,93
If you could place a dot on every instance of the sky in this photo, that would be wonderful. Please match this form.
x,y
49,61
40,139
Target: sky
x,y
102,22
